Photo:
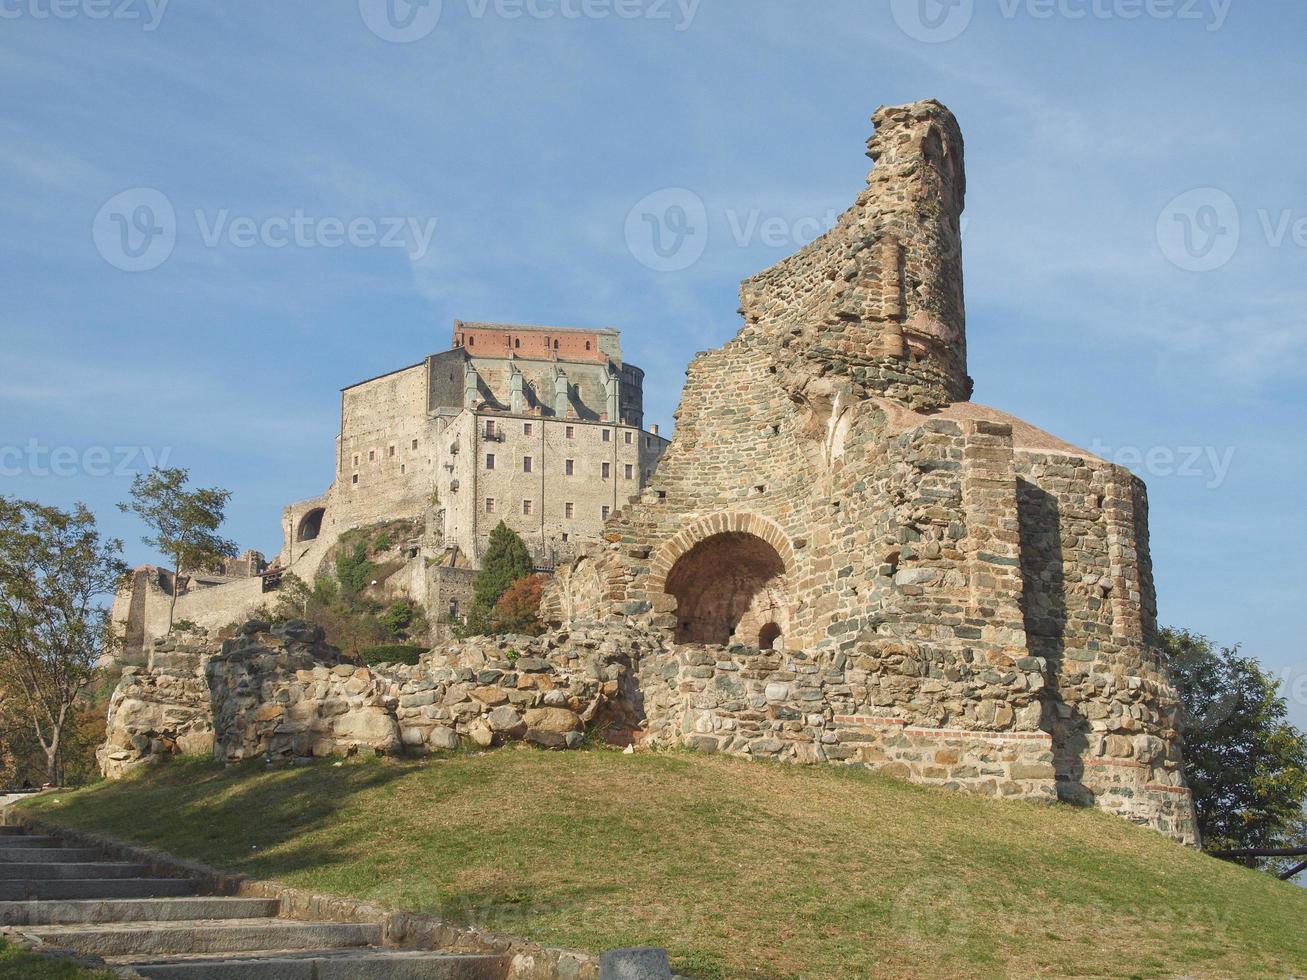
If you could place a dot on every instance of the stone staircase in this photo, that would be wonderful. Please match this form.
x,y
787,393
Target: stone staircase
x,y
75,899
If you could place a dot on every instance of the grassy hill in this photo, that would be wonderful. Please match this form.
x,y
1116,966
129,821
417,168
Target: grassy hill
x,y
740,869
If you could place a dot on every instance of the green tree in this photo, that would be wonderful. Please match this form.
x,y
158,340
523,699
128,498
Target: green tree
x,y
56,574
506,560
1246,765
184,522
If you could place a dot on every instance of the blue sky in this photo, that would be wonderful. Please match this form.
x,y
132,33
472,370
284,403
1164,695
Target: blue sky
x,y
1136,232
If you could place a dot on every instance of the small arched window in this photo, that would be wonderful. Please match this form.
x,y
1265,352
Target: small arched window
x,y
768,636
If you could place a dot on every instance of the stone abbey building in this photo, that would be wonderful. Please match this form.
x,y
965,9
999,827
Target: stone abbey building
x,y
539,427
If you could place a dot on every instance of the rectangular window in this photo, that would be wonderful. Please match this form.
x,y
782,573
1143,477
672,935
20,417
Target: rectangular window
x,y
372,455
415,444
630,471
490,461
526,464
607,470
566,537
569,467
629,437
648,442
526,428
356,459
390,451
608,435
570,432
604,511
569,509
354,478
490,428
526,507
490,505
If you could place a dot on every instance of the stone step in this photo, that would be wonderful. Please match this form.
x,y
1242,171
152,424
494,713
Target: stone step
x,y
353,964
35,871
12,830
27,855
55,912
158,939
71,889
31,840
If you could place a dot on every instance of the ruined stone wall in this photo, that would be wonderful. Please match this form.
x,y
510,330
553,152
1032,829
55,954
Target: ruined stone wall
x,y
282,693
944,591
878,299
160,707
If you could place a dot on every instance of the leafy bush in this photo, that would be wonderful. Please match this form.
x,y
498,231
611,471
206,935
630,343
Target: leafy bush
x,y
391,653
518,609
354,570
404,619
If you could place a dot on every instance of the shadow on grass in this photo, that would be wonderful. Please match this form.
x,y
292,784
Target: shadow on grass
x,y
243,818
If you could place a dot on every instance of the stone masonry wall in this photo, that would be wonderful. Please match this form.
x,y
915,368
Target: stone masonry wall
x,y
948,592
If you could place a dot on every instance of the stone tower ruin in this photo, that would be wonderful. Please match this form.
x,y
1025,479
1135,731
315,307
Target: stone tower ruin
x,y
858,564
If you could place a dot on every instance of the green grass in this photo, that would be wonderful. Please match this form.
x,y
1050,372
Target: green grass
x,y
740,869
18,964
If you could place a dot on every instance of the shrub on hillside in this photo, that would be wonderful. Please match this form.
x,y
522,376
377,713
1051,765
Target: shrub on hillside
x,y
518,609
391,653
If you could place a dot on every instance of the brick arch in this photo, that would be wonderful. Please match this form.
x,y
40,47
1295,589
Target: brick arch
x,y
726,575
742,522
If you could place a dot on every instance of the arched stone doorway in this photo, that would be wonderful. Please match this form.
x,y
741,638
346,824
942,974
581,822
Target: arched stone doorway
x,y
768,635
719,582
310,524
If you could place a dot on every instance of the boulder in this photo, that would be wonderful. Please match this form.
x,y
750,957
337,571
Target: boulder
x,y
507,721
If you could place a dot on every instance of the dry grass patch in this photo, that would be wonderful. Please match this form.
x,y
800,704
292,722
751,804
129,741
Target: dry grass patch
x,y
740,869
